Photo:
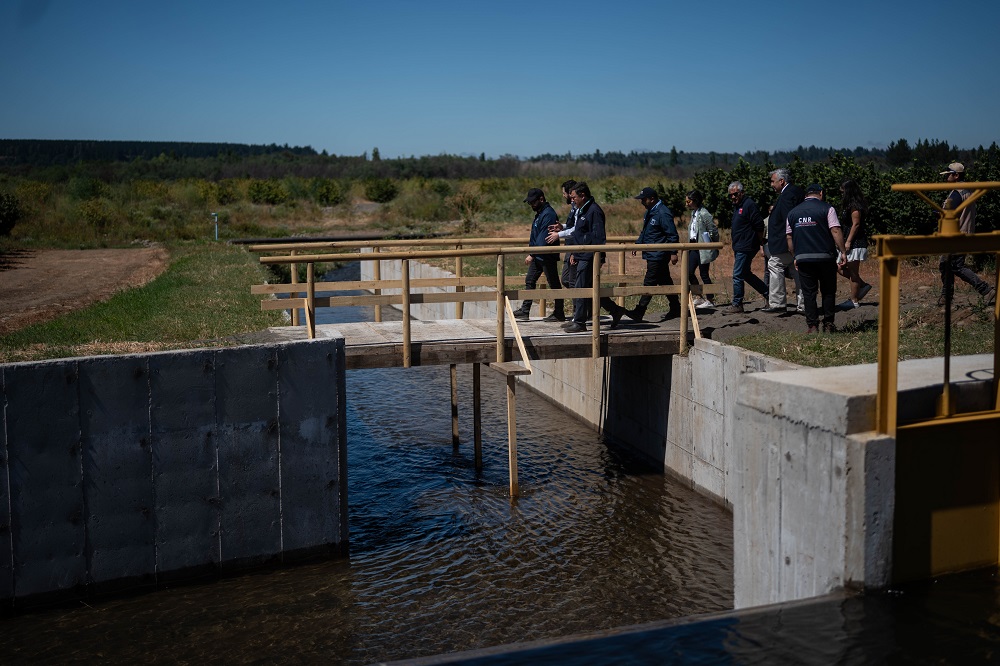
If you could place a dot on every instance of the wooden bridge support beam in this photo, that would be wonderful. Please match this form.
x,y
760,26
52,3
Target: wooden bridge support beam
x,y
454,405
477,419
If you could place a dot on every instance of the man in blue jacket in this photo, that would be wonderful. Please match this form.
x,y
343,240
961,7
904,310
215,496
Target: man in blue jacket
x,y
588,229
747,232
657,227
545,217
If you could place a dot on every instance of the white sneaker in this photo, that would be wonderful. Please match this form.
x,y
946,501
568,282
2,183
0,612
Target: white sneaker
x,y
705,305
698,301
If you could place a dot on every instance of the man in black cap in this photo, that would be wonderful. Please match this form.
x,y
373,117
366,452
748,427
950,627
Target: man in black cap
x,y
954,264
545,217
657,227
814,238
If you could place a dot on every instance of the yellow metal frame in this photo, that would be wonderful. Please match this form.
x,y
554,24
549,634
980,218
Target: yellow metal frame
x,y
890,249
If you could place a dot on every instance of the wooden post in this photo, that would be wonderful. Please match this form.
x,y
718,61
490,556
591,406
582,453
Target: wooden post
x,y
621,271
454,405
685,291
459,305
310,300
477,419
378,276
295,280
512,433
406,313
500,307
595,315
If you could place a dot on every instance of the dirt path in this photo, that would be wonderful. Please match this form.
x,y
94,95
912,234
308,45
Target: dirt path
x,y
37,286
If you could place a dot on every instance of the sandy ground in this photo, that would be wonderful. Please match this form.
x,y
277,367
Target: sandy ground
x,y
37,286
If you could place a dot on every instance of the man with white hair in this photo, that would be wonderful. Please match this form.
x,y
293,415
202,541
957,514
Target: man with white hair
x,y
780,263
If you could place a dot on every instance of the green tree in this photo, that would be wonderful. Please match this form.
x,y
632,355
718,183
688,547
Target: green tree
x,y
899,153
673,156
10,212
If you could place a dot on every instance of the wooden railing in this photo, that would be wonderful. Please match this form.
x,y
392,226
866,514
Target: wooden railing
x,y
458,249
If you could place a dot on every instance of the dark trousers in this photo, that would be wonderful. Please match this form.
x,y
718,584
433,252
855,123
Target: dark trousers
x,y
658,274
694,262
548,264
821,276
585,280
952,265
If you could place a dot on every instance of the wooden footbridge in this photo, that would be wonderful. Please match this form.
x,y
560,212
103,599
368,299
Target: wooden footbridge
x,y
504,344
460,340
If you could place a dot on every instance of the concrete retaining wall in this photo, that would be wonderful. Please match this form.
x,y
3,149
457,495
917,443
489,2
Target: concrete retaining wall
x,y
120,470
790,450
814,487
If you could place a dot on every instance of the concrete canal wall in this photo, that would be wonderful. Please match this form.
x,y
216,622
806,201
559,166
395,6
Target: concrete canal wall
x,y
125,470
791,451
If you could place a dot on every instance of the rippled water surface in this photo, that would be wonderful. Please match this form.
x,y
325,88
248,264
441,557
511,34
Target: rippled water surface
x,y
440,558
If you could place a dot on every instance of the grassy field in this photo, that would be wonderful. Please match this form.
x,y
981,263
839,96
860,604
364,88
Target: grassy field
x,y
203,299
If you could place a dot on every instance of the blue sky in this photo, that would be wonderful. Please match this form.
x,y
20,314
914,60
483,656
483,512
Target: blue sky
x,y
522,78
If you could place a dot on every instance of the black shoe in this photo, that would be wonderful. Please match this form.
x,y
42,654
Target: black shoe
x,y
616,317
522,315
635,315
574,327
671,314
570,323
555,316
782,309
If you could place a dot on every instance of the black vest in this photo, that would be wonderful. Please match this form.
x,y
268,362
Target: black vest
x,y
811,235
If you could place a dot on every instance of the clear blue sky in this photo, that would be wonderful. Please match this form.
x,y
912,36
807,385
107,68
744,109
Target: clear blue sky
x,y
524,78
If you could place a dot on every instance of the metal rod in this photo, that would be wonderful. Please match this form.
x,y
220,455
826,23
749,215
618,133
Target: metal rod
x,y
888,350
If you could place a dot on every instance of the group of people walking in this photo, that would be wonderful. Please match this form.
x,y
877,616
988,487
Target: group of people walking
x,y
804,240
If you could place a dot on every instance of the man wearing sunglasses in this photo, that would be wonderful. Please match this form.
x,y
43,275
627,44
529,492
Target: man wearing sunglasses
x,y
747,233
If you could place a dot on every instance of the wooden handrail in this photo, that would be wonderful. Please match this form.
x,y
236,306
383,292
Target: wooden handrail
x,y
489,247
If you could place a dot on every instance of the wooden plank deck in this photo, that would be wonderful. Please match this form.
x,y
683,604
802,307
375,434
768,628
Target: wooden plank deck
x,y
380,345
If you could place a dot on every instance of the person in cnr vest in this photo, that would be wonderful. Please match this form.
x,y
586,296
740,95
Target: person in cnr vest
x,y
814,239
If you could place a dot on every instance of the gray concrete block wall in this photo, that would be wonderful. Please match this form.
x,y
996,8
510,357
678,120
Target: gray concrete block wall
x,y
182,408
131,469
115,434
44,459
814,494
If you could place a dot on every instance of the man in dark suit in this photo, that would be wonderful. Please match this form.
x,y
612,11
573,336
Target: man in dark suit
x,y
781,263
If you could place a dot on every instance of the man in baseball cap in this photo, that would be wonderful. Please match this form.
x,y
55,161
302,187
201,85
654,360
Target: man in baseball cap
x,y
657,227
952,265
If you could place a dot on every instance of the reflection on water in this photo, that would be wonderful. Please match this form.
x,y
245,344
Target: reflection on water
x,y
440,559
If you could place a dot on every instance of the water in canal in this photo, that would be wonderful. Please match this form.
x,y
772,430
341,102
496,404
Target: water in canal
x,y
441,561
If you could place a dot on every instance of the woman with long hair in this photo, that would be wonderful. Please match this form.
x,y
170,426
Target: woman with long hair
x,y
852,213
701,229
